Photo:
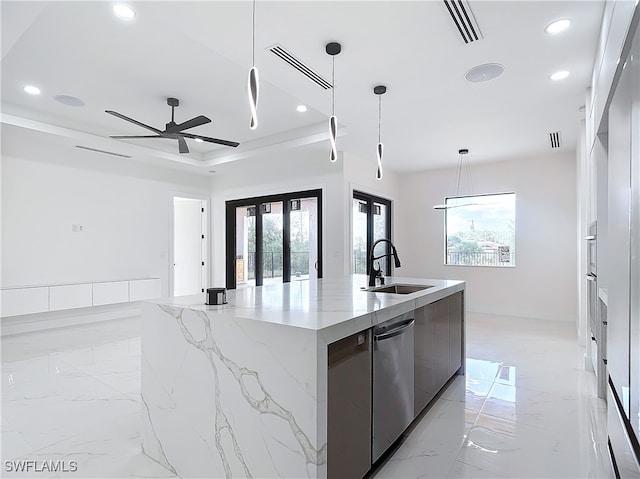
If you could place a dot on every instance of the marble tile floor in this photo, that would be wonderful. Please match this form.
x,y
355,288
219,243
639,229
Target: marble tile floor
x,y
525,409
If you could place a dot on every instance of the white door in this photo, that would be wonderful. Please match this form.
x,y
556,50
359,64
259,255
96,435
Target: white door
x,y
188,246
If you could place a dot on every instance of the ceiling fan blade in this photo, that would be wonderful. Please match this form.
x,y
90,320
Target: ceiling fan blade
x,y
136,122
211,140
182,145
119,137
197,121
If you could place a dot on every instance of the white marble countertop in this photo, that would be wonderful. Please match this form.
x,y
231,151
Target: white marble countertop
x,y
254,372
335,307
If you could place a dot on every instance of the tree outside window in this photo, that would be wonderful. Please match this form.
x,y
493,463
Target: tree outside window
x,y
480,230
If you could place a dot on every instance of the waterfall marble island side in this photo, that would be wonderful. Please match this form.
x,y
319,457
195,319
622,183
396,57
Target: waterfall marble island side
x,y
241,390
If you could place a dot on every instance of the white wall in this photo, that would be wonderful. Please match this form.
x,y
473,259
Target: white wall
x,y
123,206
582,225
543,283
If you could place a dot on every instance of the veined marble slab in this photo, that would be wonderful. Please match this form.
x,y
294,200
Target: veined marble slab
x,y
240,390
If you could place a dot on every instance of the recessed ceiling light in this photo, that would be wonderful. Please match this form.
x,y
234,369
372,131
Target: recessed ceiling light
x,y
199,140
68,100
561,75
486,72
301,108
557,26
32,90
124,12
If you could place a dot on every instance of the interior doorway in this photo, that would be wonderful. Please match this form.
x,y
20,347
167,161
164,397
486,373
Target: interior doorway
x,y
189,248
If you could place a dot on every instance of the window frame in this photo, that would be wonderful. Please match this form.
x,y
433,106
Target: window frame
x,y
230,233
370,200
509,265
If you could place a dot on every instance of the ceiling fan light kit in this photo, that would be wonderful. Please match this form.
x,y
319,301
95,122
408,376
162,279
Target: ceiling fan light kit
x,y
173,130
333,49
379,90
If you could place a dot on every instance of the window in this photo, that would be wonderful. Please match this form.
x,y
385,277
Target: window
x,y
274,239
480,230
371,222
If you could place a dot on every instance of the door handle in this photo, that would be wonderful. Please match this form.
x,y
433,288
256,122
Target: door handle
x,y
315,265
395,331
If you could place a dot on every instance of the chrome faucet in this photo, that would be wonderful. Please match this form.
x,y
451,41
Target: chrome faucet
x,y
375,273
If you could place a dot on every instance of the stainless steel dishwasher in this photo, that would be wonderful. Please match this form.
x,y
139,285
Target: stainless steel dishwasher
x,y
393,356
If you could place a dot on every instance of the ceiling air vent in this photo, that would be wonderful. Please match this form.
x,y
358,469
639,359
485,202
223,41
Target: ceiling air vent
x,y
102,151
464,20
287,57
555,139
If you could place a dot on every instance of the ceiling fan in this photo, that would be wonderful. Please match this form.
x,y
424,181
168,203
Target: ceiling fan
x,y
173,130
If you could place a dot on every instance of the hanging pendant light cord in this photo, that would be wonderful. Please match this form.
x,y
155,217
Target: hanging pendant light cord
x,y
333,85
467,173
379,115
253,36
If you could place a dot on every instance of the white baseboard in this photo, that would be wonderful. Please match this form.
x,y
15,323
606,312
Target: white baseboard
x,y
523,313
28,323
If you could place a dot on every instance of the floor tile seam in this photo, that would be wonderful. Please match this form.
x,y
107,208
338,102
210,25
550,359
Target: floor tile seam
x,y
97,378
578,395
24,439
82,432
497,475
518,421
74,371
475,421
36,451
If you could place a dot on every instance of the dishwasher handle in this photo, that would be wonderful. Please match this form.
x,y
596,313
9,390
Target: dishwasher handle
x,y
395,331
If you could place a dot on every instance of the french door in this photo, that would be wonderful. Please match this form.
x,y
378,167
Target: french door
x,y
274,238
371,222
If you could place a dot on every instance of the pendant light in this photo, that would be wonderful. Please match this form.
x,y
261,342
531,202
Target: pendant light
x,y
253,85
333,49
462,165
379,90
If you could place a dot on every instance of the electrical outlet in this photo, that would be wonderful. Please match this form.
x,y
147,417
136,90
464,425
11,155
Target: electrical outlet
x,y
80,228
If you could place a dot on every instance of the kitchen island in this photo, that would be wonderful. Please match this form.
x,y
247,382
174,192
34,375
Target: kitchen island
x,y
241,389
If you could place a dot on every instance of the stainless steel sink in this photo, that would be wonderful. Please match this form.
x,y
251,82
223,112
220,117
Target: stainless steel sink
x,y
399,288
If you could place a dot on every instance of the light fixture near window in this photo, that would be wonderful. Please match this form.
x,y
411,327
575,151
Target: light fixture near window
x,y
253,86
333,49
379,90
462,165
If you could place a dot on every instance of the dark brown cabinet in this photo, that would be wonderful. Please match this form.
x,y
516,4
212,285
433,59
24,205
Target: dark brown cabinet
x,y
424,367
439,350
456,351
441,341
438,355
349,407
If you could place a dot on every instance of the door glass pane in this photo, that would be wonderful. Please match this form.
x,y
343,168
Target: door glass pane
x,y
380,222
359,236
245,246
303,228
272,242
